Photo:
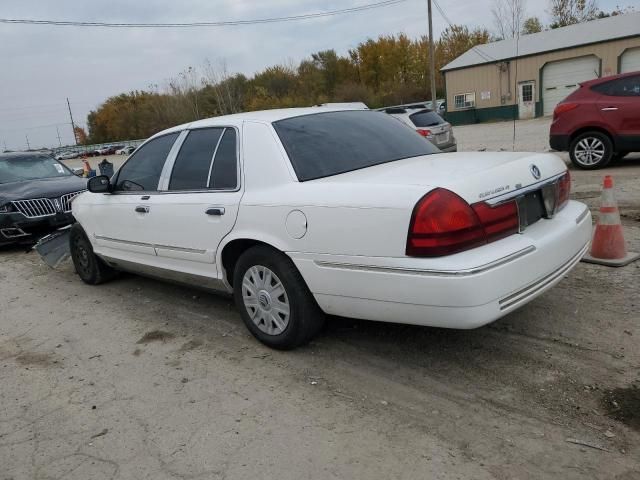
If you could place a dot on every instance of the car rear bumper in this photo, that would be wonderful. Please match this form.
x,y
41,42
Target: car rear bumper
x,y
559,143
465,290
15,227
449,148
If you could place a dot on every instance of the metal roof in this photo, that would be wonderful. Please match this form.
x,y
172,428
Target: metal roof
x,y
601,30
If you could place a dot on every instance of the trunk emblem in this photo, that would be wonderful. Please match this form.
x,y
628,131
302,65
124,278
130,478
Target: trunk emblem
x,y
535,171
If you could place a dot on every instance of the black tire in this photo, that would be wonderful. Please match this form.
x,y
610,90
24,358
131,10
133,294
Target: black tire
x,y
305,319
583,157
91,269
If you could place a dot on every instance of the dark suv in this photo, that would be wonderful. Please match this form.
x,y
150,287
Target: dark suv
x,y
35,195
599,122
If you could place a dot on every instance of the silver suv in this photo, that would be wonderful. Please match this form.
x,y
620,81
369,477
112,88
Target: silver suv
x,y
427,123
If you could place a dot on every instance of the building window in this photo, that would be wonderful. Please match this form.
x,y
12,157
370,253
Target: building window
x,y
527,92
464,100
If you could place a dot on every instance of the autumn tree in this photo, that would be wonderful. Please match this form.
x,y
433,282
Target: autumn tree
x,y
531,25
508,17
569,12
81,135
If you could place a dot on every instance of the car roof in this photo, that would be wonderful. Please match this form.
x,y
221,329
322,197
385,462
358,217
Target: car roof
x,y
262,116
597,81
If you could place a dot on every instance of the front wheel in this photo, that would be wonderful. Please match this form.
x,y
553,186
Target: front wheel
x,y
89,267
274,301
591,150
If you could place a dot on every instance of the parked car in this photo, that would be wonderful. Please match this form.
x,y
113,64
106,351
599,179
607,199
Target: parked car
x,y
306,212
35,195
427,123
112,149
125,150
67,155
599,122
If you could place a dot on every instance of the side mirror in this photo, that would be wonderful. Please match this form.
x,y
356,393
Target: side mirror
x,y
99,184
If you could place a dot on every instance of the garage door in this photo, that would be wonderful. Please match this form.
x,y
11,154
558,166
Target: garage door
x,y
630,61
561,78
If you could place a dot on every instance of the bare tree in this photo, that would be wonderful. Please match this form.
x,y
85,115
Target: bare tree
x,y
569,12
508,16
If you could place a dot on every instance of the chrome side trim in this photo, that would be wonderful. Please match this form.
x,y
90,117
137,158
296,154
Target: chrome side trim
x,y
180,249
531,289
213,157
151,245
428,272
127,242
580,217
200,281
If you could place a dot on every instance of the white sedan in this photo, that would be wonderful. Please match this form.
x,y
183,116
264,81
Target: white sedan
x,y
305,212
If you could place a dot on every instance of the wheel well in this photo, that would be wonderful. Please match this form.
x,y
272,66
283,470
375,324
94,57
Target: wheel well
x,y
593,129
232,252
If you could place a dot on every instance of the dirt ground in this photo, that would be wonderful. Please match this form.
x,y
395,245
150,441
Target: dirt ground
x,y
138,379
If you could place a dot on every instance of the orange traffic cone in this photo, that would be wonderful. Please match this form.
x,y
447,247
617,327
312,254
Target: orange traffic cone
x,y
86,168
608,246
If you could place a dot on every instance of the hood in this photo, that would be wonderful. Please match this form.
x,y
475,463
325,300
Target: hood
x,y
42,188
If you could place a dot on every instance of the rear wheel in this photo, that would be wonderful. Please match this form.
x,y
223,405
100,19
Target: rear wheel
x,y
89,267
274,301
591,150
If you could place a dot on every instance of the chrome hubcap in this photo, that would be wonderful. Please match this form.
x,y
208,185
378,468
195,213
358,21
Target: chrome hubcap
x,y
589,151
266,300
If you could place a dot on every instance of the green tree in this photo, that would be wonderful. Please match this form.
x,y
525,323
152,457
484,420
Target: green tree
x,y
531,25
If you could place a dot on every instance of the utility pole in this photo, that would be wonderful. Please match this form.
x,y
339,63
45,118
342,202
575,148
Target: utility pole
x,y
432,61
27,138
73,125
58,132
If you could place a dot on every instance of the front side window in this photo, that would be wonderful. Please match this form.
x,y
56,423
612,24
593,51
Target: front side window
x,y
324,144
142,170
20,168
622,87
464,100
207,160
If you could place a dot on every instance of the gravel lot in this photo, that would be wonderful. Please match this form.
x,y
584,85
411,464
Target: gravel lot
x,y
138,379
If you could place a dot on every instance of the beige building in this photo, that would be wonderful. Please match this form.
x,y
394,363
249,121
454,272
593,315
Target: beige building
x,y
526,78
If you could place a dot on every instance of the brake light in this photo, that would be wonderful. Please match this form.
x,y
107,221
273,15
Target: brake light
x,y
563,107
564,189
424,132
442,223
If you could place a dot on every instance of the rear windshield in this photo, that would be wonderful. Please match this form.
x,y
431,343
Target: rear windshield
x,y
426,118
324,144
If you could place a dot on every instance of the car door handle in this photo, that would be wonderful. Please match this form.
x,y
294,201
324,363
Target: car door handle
x,y
142,209
215,211
609,109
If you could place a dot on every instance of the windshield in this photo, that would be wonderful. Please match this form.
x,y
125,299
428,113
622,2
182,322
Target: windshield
x,y
324,144
426,118
21,168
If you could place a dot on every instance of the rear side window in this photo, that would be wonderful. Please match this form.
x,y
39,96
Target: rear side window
x,y
622,87
207,160
193,163
224,174
426,118
142,170
324,144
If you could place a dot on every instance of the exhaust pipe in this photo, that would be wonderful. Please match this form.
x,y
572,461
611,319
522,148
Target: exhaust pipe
x,y
13,232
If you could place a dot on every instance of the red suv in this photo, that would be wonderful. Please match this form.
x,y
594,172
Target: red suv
x,y
600,121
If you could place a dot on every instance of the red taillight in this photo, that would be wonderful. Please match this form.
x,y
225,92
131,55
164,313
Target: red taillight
x,y
443,223
564,189
424,132
563,107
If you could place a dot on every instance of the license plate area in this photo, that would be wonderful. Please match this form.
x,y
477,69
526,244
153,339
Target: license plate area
x,y
530,208
442,137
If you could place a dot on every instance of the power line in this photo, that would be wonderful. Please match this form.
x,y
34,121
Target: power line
x,y
446,19
226,23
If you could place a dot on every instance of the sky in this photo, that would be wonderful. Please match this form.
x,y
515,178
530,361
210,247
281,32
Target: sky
x,y
41,66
